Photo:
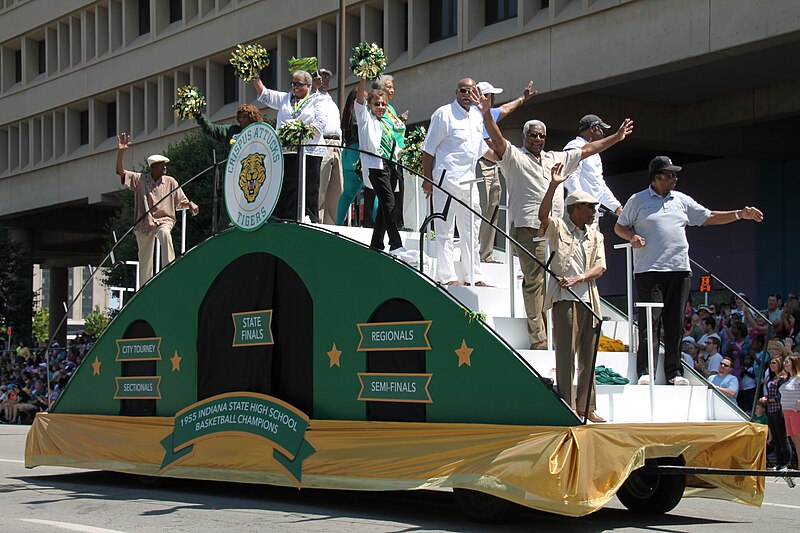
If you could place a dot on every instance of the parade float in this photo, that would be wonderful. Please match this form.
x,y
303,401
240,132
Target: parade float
x,y
292,354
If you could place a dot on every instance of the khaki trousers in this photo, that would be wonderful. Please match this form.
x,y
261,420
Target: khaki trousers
x,y
147,244
532,282
331,182
490,199
573,332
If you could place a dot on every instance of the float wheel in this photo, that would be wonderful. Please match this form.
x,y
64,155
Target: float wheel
x,y
484,508
653,493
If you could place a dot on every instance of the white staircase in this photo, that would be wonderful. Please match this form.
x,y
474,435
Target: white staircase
x,y
616,403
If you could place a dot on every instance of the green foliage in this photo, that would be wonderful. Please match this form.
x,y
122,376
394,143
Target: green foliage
x,y
41,324
96,322
15,287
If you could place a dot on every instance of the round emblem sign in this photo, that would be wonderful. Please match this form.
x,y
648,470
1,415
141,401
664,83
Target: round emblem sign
x,y
253,176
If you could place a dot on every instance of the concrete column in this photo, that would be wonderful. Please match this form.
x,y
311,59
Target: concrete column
x,y
58,295
24,236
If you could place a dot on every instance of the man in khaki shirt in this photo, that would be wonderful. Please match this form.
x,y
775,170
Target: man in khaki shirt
x,y
527,173
578,261
154,218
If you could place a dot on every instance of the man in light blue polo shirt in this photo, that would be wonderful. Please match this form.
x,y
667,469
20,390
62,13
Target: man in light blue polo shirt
x,y
653,220
725,382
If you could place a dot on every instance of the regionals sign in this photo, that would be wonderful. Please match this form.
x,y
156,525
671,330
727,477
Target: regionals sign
x,y
253,176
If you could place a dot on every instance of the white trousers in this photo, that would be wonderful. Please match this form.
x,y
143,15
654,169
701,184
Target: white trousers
x,y
468,233
147,243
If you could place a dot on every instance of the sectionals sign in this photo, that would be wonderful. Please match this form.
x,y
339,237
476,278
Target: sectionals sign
x,y
253,176
138,388
259,415
394,336
252,328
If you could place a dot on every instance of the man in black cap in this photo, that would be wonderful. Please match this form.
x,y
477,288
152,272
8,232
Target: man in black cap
x,y
653,220
589,175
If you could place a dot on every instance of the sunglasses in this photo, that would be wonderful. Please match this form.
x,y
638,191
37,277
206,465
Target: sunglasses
x,y
298,83
726,365
536,135
464,90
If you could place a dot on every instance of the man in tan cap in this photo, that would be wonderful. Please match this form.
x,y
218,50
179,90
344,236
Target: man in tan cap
x,y
154,218
578,261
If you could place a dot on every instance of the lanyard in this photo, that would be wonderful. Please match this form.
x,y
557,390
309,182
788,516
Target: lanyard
x,y
297,105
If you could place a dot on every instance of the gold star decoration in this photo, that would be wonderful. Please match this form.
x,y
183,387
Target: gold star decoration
x,y
96,366
334,356
464,354
176,362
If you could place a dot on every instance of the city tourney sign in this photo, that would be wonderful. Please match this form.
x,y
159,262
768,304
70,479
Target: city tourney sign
x,y
253,176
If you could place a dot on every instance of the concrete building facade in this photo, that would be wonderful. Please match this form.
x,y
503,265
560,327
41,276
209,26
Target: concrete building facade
x,y
710,82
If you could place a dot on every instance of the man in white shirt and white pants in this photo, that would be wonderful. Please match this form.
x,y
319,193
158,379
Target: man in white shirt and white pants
x,y
449,154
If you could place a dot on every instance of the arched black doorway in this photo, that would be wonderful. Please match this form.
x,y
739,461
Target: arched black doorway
x,y
257,281
405,361
138,329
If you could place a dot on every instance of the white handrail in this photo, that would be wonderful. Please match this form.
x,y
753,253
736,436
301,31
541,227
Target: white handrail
x,y
633,344
650,354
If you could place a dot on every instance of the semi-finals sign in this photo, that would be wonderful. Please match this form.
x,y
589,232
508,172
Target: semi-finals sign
x,y
283,425
253,176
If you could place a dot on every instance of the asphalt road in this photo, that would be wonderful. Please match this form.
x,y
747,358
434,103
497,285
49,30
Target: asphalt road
x,y
50,499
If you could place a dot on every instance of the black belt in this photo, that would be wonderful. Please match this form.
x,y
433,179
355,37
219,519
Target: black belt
x,y
331,137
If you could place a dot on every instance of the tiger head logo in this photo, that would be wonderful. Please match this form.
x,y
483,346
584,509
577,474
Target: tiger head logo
x,y
252,176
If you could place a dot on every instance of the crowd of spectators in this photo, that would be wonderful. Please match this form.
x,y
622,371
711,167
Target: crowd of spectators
x,y
751,360
25,373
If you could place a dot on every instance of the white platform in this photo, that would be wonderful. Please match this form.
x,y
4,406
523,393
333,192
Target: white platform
x,y
616,403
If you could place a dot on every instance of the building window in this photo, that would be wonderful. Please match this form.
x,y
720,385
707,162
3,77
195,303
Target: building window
x,y
545,4
443,15
42,56
84,119
270,72
499,10
45,294
86,297
17,66
230,85
111,119
175,10
144,17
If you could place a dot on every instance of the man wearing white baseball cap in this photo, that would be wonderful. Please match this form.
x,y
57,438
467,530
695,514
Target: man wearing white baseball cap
x,y
154,218
487,167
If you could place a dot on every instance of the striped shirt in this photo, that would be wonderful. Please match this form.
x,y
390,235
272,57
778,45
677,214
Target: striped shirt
x,y
790,394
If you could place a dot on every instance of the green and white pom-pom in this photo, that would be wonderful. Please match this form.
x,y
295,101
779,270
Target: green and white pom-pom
x,y
411,155
190,102
248,60
368,61
309,64
292,133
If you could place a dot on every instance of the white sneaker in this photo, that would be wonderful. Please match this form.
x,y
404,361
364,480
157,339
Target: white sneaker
x,y
398,251
644,380
679,380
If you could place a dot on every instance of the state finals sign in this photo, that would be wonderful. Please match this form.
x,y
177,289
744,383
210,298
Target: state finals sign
x,y
253,176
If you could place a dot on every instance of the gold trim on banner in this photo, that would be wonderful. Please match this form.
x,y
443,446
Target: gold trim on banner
x,y
571,471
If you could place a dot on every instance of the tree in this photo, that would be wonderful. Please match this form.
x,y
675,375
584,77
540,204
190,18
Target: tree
x,y
95,322
41,324
187,158
16,294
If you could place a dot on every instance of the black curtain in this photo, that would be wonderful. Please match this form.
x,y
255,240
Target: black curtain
x,y
284,369
138,329
408,362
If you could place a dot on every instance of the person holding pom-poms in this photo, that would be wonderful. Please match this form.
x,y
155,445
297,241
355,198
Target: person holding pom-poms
x,y
298,105
379,173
